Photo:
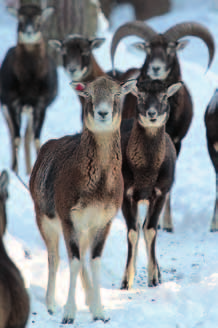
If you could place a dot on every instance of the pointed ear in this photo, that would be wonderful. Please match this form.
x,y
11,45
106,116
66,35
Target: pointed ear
x,y
96,42
55,44
129,86
174,88
181,44
79,87
13,11
46,14
4,181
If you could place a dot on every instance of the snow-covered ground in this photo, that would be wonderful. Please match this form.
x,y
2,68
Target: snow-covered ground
x,y
188,296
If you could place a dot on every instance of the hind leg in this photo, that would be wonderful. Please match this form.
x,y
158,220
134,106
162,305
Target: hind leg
x,y
214,223
50,231
167,217
129,209
28,138
150,232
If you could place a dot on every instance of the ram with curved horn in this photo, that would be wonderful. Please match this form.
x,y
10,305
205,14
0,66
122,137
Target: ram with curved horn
x,y
162,63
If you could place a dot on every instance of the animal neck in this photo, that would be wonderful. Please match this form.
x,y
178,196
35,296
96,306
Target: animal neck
x,y
2,218
106,146
35,49
146,145
94,71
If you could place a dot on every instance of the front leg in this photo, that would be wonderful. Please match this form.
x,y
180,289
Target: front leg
x,y
150,232
129,209
38,120
13,118
75,266
96,306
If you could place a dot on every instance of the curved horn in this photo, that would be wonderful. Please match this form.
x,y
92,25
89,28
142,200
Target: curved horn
x,y
193,29
137,28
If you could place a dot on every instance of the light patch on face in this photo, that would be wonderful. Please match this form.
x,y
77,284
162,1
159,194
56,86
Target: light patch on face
x,y
29,38
157,70
78,74
147,122
103,120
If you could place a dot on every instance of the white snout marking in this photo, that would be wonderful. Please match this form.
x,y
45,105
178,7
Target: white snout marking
x,y
29,38
78,74
146,122
161,74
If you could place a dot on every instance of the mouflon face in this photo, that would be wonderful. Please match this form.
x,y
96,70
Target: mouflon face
x,y
76,52
152,102
103,102
30,21
161,56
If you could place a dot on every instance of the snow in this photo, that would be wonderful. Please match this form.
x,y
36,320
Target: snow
x,y
188,296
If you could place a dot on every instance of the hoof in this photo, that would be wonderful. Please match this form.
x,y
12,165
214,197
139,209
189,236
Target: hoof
x,y
68,321
154,283
103,320
50,312
124,285
168,230
213,230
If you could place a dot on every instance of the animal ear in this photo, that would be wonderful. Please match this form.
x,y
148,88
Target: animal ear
x,y
79,88
181,44
46,13
96,42
55,44
129,86
144,46
13,11
4,181
173,89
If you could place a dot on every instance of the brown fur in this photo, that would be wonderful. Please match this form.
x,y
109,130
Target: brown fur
x,y
14,299
148,170
78,179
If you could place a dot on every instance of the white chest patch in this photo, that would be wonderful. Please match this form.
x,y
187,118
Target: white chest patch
x,y
87,222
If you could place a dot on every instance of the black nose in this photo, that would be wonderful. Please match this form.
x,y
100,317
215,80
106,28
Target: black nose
x,y
152,113
156,69
72,70
102,114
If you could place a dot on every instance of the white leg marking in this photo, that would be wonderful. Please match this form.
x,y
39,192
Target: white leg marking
x,y
28,138
214,223
70,307
96,307
149,235
51,231
167,218
130,270
86,282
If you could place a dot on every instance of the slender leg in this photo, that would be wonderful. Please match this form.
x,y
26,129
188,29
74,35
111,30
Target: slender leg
x,y
13,126
150,232
214,223
50,230
129,209
70,307
96,307
87,284
75,262
167,218
28,137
